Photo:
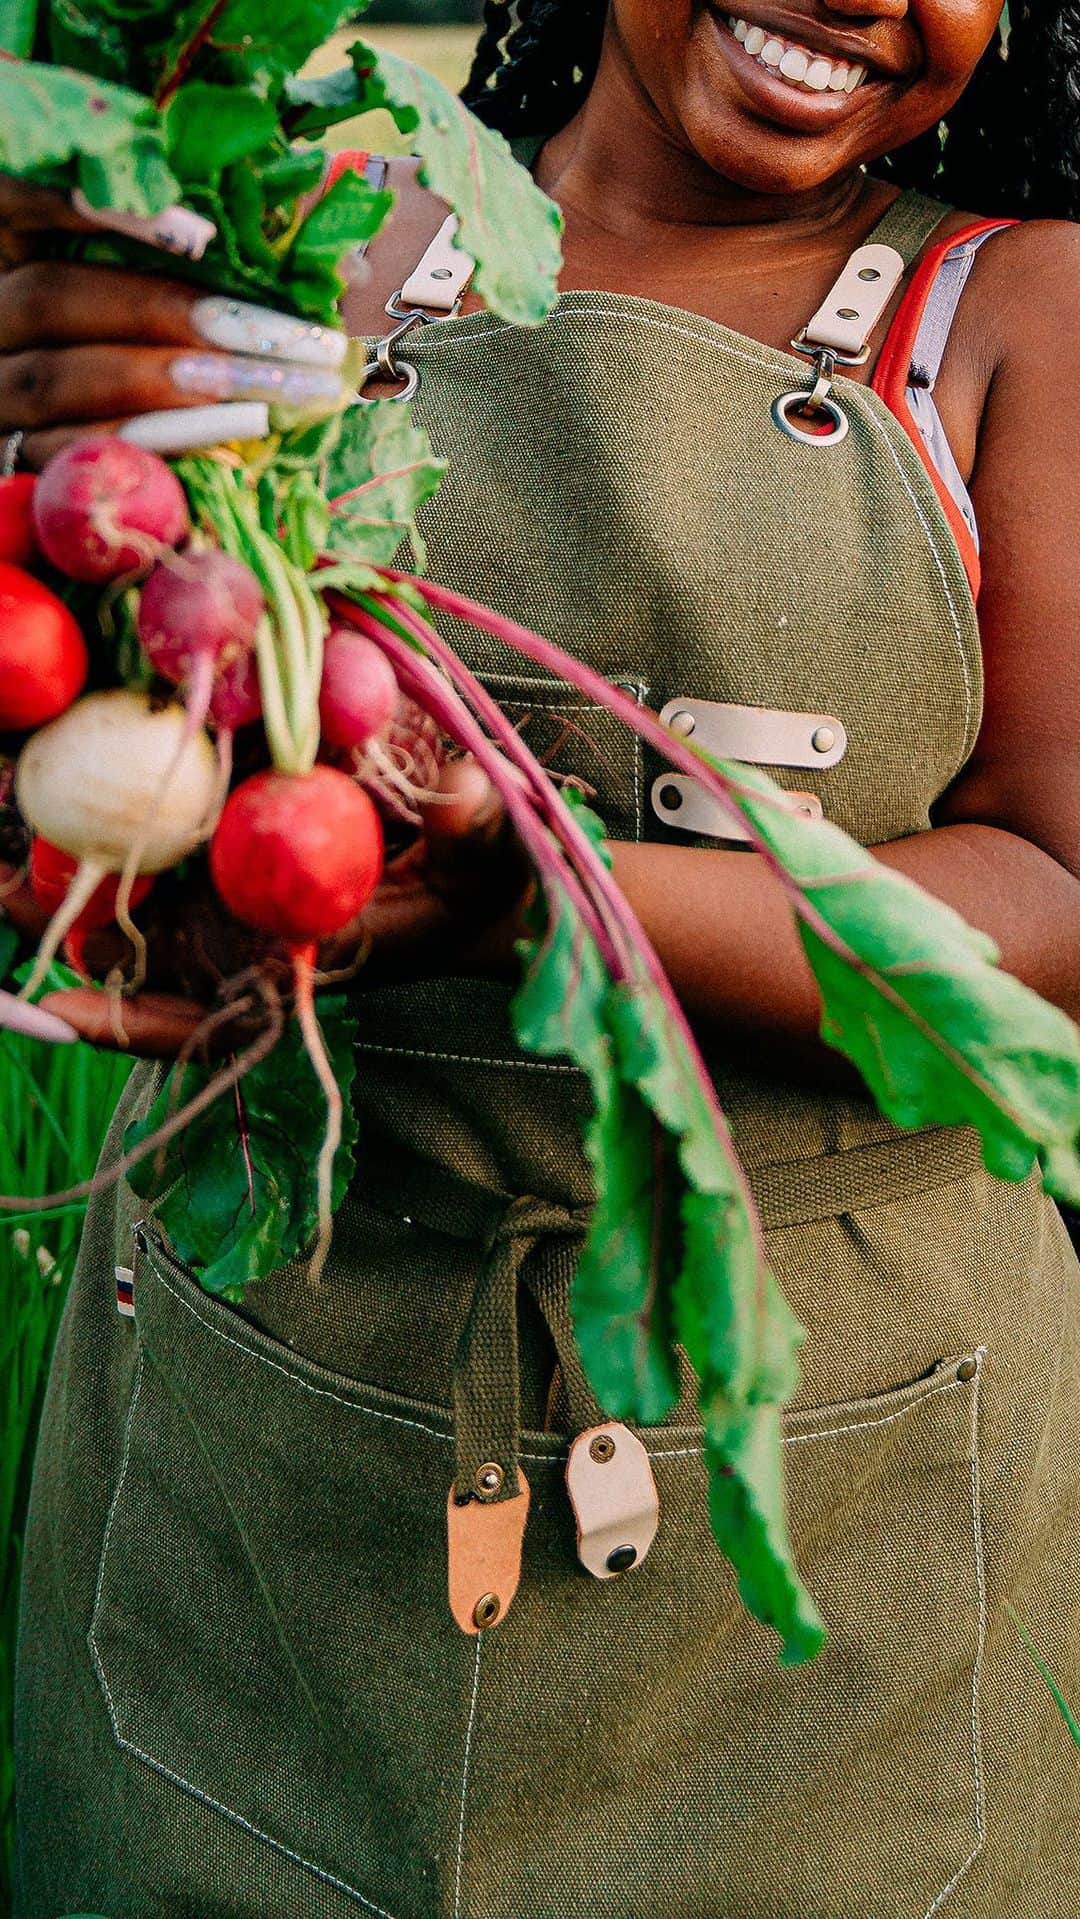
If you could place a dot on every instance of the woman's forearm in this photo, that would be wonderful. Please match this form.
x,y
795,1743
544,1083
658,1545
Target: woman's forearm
x,y
724,930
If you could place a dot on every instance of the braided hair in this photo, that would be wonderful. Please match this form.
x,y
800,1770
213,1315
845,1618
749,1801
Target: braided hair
x,y
1011,145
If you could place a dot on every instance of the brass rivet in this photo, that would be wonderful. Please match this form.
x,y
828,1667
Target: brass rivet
x,y
824,740
621,1560
967,1369
489,1479
487,1610
682,724
869,273
602,1449
670,799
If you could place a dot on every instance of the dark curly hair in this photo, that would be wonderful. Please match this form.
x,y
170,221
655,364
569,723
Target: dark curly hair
x,y
1011,145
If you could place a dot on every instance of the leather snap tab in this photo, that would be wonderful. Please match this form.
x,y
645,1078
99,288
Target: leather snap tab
x,y
484,1546
609,1479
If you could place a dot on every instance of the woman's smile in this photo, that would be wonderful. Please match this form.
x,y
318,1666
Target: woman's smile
x,y
806,85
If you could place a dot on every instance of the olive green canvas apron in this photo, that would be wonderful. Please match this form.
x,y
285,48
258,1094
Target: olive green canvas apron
x,y
242,1692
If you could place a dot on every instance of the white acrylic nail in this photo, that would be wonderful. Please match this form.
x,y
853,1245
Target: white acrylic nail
x,y
17,1016
182,429
238,327
175,229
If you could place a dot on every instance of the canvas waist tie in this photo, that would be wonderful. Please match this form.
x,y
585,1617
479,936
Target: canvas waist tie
x,y
536,1243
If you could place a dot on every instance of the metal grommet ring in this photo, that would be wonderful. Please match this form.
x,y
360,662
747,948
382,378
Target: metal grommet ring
x,y
10,450
490,1480
401,369
789,403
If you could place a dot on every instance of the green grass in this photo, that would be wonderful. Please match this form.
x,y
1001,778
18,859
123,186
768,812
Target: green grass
x,y
56,1103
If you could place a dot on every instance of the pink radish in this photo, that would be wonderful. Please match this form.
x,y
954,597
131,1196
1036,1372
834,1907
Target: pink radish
x,y
198,612
359,691
299,856
43,658
104,507
91,784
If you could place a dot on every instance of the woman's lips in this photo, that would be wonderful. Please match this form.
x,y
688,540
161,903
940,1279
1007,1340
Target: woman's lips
x,y
790,83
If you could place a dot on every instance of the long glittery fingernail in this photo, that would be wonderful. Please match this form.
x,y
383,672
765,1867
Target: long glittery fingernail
x,y
238,327
220,376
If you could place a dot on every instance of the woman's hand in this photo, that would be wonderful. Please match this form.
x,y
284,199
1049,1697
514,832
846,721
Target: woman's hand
x,y
452,903
86,348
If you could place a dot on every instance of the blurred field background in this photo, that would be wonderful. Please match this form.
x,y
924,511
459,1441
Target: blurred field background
x,y
56,1102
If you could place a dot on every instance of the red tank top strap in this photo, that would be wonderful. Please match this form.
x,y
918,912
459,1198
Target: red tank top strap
x,y
892,374
351,160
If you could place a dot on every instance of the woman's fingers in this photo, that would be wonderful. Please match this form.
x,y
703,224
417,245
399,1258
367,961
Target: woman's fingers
x,y
152,1025
43,387
43,303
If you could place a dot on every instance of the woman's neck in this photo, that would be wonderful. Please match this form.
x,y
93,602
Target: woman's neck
x,y
618,167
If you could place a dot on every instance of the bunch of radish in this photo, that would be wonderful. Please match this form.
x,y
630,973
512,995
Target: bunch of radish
x,y
119,783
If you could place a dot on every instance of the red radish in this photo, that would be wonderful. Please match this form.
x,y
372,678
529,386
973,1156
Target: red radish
x,y
104,507
52,872
359,691
90,783
17,543
43,658
297,855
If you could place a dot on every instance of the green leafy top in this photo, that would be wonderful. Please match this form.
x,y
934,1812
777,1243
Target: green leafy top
x,y
140,105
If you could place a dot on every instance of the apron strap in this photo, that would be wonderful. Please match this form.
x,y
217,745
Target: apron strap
x,y
537,1243
908,224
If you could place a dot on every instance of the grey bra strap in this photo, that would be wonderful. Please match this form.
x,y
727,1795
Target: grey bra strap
x,y
937,320
908,225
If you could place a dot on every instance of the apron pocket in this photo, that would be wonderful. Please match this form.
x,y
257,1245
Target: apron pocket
x,y
271,1632
638,1750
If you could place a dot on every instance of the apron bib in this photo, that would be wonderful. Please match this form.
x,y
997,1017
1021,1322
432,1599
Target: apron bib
x,y
243,1692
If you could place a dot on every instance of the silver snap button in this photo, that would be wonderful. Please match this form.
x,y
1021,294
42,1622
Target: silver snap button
x,y
682,724
848,313
824,740
869,273
621,1560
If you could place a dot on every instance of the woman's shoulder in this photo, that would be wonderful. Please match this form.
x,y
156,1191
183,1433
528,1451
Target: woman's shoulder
x,y
1024,291
415,219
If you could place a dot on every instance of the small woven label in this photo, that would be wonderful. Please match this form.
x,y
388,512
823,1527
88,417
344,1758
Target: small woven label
x,y
125,1292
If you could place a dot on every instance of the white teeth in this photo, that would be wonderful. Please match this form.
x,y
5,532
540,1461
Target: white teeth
x,y
799,66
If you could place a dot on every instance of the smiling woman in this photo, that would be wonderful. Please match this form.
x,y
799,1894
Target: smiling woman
x,y
789,462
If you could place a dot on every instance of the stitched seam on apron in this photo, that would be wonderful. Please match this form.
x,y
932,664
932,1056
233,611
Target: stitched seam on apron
x,y
469,1059
628,684
969,695
157,1765
465,1777
977,1670
318,1392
